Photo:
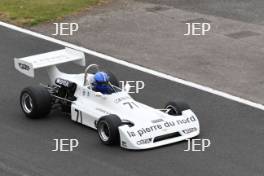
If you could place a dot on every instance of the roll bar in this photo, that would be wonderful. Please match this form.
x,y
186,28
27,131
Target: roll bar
x,y
86,73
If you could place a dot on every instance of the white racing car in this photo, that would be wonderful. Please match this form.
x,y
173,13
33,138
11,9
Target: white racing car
x,y
117,117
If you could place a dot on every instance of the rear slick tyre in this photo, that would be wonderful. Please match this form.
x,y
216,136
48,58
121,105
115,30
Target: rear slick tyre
x,y
35,101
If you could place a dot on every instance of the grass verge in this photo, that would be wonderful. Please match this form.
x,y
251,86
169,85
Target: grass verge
x,y
33,12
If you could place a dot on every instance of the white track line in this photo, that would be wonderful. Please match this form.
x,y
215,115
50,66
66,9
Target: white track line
x,y
137,67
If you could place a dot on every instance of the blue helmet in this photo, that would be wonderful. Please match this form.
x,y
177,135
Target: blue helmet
x,y
101,77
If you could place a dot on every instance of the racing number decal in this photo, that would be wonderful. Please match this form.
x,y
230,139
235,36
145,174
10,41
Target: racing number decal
x,y
78,114
131,104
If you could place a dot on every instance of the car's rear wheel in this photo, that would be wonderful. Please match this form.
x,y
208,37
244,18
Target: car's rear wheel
x,y
107,128
35,101
175,108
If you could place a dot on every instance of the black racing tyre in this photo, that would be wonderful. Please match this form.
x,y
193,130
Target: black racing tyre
x,y
107,128
113,79
176,108
35,101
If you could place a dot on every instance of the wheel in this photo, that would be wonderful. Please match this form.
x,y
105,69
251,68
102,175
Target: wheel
x,y
112,78
35,101
176,108
107,128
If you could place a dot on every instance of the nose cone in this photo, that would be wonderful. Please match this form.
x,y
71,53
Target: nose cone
x,y
155,132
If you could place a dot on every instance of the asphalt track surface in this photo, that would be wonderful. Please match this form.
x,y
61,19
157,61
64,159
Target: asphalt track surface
x,y
235,130
242,10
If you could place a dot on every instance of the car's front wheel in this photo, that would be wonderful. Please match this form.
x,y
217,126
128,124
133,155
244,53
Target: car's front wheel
x,y
107,128
35,101
175,108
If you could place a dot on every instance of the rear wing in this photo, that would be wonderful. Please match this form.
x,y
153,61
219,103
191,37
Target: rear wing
x,y
28,65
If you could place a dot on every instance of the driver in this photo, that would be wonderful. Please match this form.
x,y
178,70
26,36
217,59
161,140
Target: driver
x,y
101,83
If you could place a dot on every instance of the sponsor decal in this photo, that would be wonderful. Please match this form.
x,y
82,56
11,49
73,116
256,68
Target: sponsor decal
x,y
24,66
62,82
144,141
118,100
131,133
189,130
157,120
143,131
101,110
187,120
124,144
164,126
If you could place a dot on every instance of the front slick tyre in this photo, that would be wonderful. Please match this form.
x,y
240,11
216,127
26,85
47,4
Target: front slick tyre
x,y
107,128
175,108
35,101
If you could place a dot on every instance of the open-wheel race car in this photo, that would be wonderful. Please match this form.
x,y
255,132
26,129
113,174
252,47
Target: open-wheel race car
x,y
116,116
